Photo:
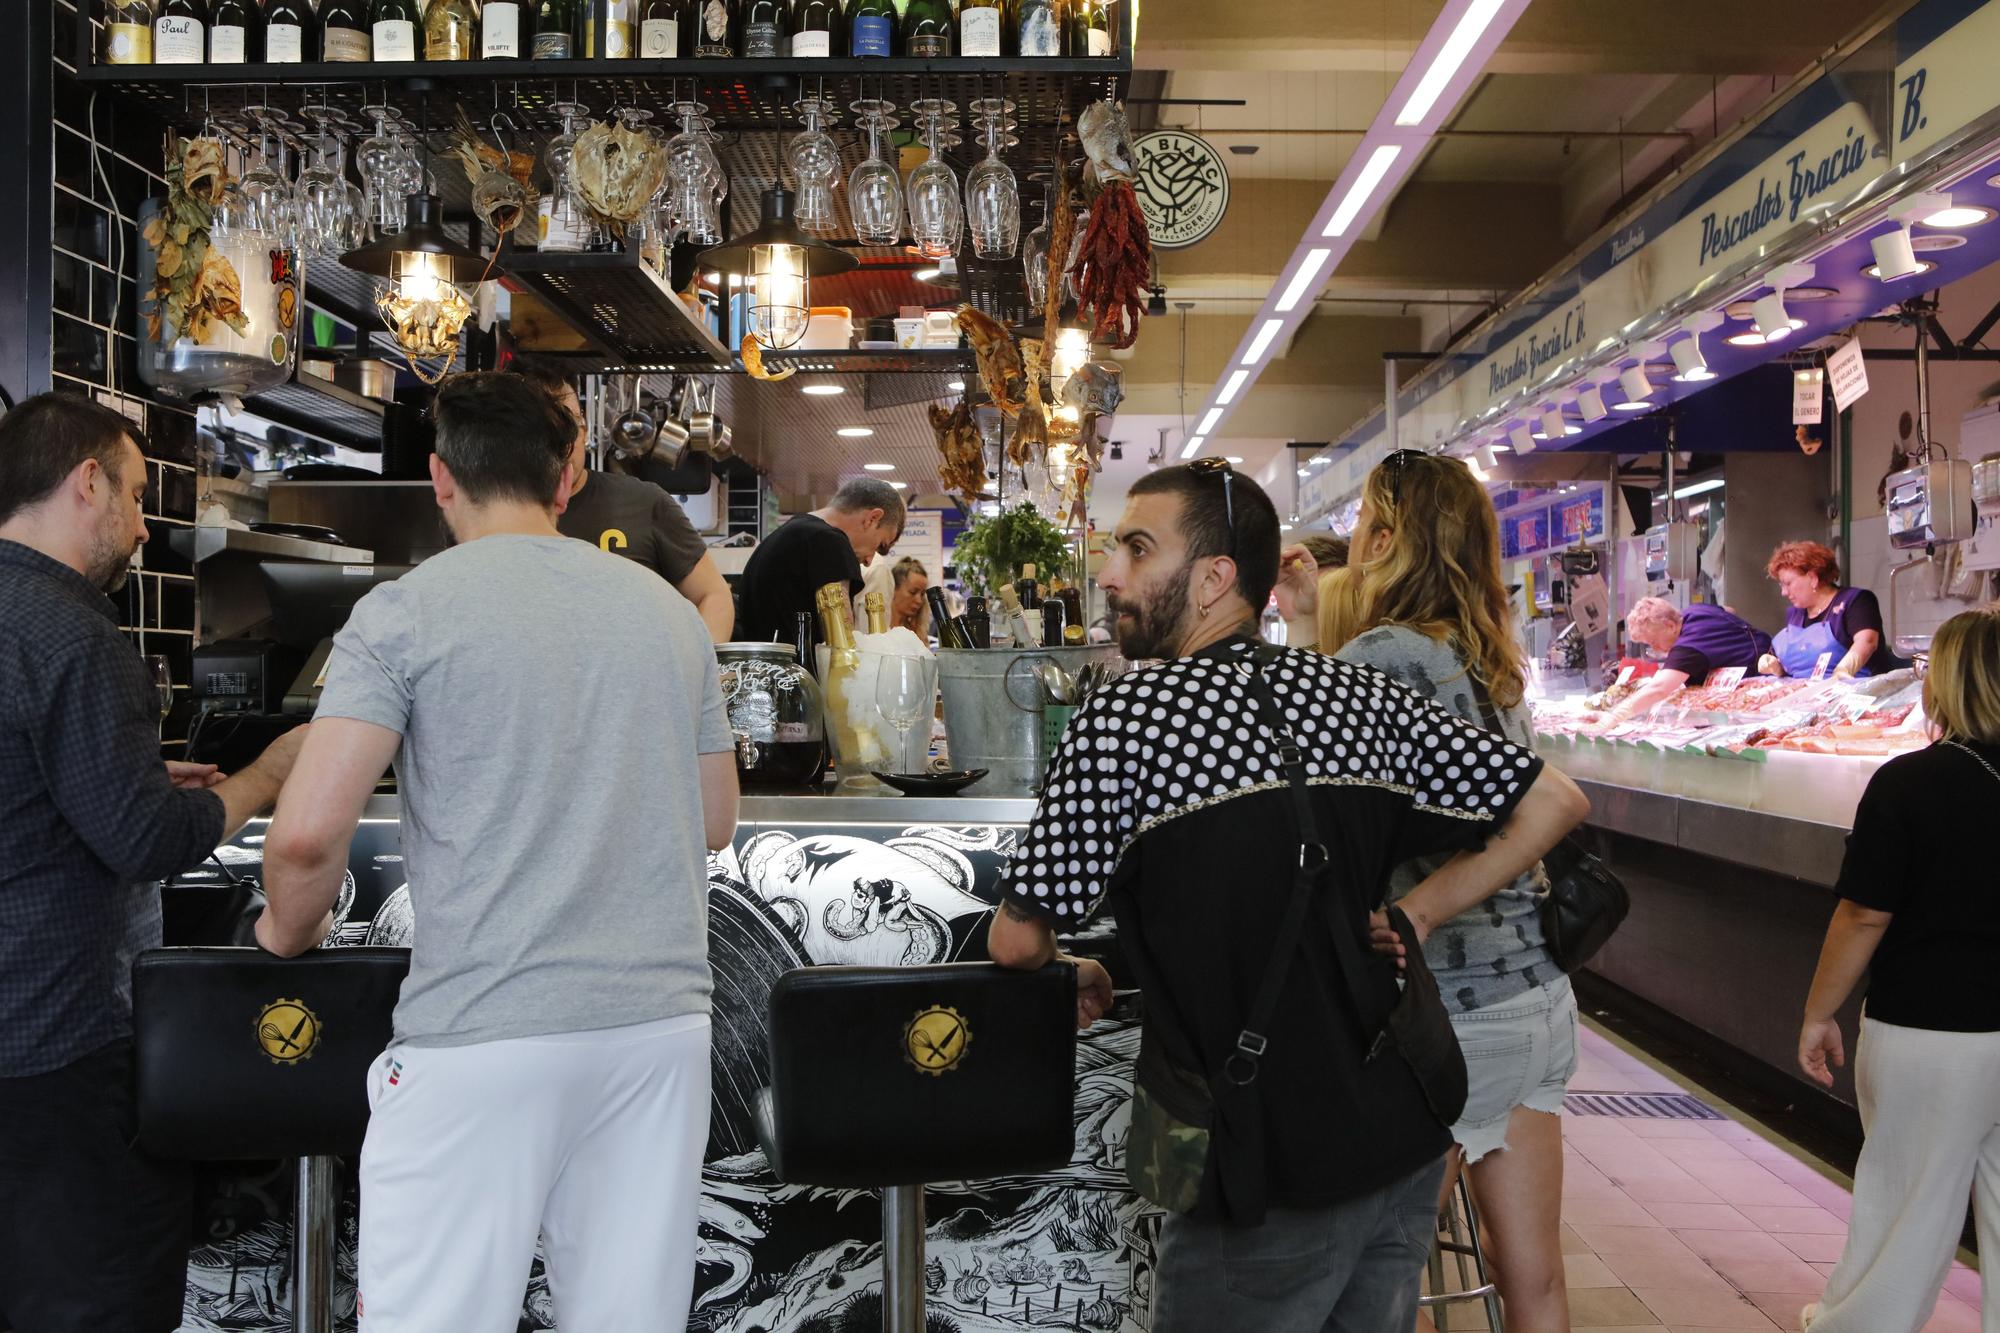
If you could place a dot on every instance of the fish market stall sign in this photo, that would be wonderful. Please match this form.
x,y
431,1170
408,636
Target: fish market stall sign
x,y
1543,347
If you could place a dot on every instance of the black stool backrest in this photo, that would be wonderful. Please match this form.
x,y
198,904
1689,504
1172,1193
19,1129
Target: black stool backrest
x,y
243,1055
907,1075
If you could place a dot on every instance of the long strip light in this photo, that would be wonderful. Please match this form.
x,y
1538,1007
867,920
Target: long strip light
x,y
1441,71
1699,488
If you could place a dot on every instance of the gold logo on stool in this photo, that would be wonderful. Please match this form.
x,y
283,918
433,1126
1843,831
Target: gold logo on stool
x,y
936,1039
287,1031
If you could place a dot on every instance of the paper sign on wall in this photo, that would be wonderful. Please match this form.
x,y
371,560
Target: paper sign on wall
x,y
1808,397
1846,373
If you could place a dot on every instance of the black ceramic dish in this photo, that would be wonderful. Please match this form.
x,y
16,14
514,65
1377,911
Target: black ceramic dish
x,y
932,784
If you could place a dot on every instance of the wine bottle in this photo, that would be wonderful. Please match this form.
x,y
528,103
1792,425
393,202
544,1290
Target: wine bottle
x,y
451,30
344,33
927,26
764,29
619,36
1090,31
1054,622
814,23
715,30
802,641
288,32
1038,28
555,29
1027,588
660,29
976,624
180,33
392,27
232,26
128,32
948,635
500,30
1074,631
871,28
979,28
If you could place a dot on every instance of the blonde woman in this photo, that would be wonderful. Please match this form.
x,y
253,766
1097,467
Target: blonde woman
x,y
1434,615
1919,915
1339,608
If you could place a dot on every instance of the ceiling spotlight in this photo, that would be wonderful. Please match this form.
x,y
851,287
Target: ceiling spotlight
x,y
1552,423
1691,367
1772,321
1747,338
1638,389
879,467
1937,210
1894,257
1875,271
1523,442
855,432
822,390
1591,403
1476,468
1485,456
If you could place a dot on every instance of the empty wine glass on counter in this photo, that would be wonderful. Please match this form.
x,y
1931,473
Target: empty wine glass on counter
x,y
874,187
992,195
937,211
815,162
905,694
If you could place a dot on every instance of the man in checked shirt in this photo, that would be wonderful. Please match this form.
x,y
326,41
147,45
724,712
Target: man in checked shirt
x,y
93,1235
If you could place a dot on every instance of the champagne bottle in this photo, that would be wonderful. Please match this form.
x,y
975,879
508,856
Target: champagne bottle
x,y
289,30
877,607
764,35
500,30
927,26
1090,31
851,745
344,32
660,29
1038,28
715,30
871,28
979,27
180,33
814,25
128,32
451,30
232,30
392,27
555,29
618,33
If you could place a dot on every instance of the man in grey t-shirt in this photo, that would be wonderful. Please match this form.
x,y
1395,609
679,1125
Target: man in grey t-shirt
x,y
549,1071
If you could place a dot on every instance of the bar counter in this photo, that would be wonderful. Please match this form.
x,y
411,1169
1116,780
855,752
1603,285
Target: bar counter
x,y
809,879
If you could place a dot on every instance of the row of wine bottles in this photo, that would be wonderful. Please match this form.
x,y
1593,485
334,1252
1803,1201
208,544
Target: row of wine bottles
x,y
234,32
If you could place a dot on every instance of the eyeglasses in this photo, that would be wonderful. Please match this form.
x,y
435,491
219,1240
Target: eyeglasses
x,y
1397,463
1209,467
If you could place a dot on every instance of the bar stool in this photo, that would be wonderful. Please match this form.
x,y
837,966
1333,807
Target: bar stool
x,y
245,1056
1458,1236
891,1077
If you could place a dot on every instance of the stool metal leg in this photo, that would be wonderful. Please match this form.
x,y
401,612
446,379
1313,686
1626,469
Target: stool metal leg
x,y
1459,1237
902,1259
314,1227
1489,1292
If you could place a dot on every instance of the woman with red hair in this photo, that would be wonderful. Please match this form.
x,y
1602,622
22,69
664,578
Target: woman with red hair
x,y
1840,627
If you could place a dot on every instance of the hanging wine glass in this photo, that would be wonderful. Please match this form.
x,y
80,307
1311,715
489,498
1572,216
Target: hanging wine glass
x,y
992,196
815,162
235,218
570,224
937,211
267,190
324,208
379,159
691,177
874,188
1035,252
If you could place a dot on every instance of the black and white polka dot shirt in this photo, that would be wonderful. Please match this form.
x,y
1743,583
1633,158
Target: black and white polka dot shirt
x,y
1163,759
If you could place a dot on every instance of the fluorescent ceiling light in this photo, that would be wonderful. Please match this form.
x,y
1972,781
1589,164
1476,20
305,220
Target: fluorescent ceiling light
x,y
1262,342
821,390
855,432
1699,488
1303,281
1192,447
956,386
1591,403
1445,64
1229,389
899,485
1234,461
1371,175
1305,472
879,467
1208,421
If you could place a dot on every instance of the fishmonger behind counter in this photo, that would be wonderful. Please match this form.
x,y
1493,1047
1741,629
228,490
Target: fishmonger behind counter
x,y
1694,643
1828,625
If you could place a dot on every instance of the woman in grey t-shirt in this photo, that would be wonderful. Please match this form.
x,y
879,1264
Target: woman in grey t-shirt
x,y
1435,617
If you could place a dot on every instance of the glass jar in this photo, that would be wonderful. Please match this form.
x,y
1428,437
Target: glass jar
x,y
775,714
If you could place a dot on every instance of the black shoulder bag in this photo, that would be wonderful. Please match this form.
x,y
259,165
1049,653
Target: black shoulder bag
x,y
1585,902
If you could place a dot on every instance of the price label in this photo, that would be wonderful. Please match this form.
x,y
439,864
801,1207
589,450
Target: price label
x,y
1819,667
1625,676
1728,678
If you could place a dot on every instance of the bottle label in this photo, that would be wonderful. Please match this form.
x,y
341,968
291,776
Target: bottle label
x,y
659,39
812,44
553,46
712,38
979,31
760,40
284,44
452,41
128,44
929,45
179,41
226,46
617,39
395,39
345,44
500,29
869,36
793,733
1041,35
1100,41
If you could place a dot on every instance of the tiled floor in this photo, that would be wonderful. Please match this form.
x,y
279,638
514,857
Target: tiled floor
x,y
1681,1225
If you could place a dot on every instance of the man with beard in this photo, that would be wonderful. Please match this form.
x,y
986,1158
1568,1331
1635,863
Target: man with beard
x,y
1241,807
93,1234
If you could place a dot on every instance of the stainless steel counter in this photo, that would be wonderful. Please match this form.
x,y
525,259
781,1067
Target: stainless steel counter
x,y
1780,844
805,809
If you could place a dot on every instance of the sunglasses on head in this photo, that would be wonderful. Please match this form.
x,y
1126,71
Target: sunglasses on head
x,y
1397,463
1209,467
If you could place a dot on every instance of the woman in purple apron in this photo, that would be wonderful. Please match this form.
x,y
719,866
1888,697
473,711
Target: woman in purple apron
x,y
1830,630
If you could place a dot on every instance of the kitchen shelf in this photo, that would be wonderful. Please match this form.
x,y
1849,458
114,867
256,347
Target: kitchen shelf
x,y
322,409
628,314
920,361
200,544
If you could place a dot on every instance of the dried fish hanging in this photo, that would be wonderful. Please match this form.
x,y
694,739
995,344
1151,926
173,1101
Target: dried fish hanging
x,y
503,182
194,286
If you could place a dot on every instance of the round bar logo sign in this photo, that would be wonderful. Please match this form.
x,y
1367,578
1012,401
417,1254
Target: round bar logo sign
x,y
1183,187
287,1031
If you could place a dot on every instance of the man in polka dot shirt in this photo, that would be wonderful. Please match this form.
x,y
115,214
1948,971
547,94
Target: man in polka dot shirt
x,y
1306,1198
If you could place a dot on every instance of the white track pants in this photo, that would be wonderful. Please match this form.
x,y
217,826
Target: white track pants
x,y
593,1139
1930,1103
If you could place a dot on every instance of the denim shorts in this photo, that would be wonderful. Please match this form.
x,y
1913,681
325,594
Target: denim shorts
x,y
1520,1053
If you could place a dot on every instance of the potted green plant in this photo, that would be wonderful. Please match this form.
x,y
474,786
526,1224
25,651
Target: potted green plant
x,y
991,551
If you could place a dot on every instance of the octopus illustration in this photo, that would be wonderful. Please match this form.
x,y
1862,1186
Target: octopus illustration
x,y
858,901
883,904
